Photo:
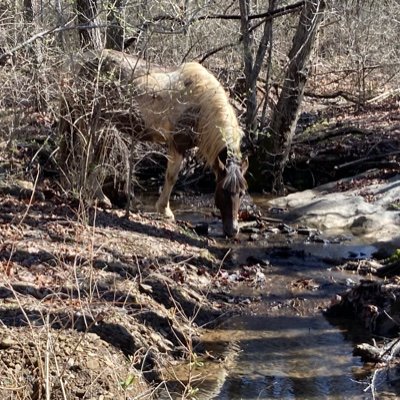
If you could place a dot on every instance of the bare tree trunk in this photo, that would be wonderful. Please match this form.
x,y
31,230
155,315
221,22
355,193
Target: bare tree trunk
x,y
251,102
252,68
285,116
268,67
61,21
115,31
90,36
28,10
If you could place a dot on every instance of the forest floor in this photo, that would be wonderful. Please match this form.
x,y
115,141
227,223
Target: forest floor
x,y
95,305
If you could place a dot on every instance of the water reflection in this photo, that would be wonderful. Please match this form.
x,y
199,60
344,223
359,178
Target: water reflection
x,y
290,358
288,350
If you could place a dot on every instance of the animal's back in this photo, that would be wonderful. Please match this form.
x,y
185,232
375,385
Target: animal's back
x,y
164,97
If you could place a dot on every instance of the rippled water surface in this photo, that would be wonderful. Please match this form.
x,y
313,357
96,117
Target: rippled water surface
x,y
284,346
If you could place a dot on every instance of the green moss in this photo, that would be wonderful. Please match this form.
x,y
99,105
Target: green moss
x,y
317,127
395,256
395,206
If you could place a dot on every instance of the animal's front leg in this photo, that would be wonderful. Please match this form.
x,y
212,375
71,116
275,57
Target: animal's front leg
x,y
171,175
96,192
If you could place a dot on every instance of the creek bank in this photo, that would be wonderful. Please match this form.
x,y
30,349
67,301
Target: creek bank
x,y
367,206
95,305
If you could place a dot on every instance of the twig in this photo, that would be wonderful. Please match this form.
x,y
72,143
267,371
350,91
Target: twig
x,y
31,199
47,361
39,35
266,17
372,384
340,93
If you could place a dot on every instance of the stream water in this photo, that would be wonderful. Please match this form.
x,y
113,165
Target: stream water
x,y
283,346
287,349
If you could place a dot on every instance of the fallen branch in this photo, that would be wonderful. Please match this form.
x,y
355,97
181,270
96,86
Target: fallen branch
x,y
347,96
375,353
368,352
384,96
366,159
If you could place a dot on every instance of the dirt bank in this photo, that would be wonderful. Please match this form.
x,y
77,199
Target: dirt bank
x,y
93,305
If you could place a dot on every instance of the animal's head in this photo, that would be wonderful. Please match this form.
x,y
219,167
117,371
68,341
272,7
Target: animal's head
x,y
231,186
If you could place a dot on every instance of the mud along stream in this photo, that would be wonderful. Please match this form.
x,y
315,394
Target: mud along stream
x,y
282,346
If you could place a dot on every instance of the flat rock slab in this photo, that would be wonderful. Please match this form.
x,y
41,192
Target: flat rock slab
x,y
370,211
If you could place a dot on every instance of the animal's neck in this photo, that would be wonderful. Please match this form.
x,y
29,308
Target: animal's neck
x,y
217,122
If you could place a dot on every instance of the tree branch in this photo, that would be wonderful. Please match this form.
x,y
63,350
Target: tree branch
x,y
266,15
5,55
269,15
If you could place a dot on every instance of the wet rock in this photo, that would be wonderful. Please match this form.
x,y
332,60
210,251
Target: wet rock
x,y
340,239
285,228
362,267
254,237
277,210
256,260
350,282
326,207
318,239
250,229
305,230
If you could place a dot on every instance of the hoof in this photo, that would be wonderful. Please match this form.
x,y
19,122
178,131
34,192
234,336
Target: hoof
x,y
168,214
103,202
165,212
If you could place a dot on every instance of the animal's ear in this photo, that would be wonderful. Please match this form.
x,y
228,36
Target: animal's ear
x,y
245,165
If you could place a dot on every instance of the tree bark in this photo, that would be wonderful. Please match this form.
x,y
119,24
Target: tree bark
x,y
61,22
252,68
247,37
90,36
276,145
28,10
115,31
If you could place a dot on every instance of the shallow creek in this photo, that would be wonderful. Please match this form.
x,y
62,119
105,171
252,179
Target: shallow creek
x,y
282,346
286,347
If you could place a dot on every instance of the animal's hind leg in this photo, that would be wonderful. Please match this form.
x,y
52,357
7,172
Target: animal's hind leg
x,y
174,165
